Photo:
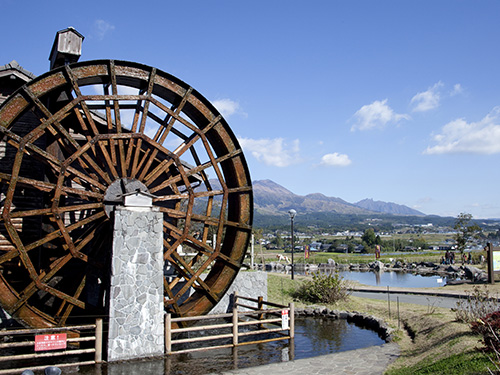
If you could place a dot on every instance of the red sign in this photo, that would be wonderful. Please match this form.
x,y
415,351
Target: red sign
x,y
50,342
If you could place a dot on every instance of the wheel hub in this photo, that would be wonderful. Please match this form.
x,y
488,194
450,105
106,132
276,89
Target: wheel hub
x,y
114,193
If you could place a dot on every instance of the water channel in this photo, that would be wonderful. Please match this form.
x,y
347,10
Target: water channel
x,y
313,337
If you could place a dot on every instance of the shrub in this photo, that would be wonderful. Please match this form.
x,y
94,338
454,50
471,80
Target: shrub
x,y
489,328
477,305
323,288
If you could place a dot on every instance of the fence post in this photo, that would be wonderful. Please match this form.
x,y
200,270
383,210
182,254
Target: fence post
x,y
235,326
260,305
389,301
168,333
292,320
98,341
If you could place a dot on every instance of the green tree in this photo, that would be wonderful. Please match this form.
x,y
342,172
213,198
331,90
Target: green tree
x,y
279,241
466,231
369,237
350,247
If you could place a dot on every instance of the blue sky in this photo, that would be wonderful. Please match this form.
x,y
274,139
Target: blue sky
x,y
396,101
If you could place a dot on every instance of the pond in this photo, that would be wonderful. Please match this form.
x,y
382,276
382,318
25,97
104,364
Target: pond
x,y
313,337
395,279
402,279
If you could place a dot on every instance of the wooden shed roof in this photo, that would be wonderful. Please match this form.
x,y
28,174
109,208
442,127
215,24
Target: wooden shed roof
x,y
13,68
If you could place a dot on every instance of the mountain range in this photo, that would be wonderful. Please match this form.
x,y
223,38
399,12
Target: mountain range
x,y
271,198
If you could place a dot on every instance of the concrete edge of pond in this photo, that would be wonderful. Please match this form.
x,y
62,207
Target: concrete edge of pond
x,y
372,360
363,320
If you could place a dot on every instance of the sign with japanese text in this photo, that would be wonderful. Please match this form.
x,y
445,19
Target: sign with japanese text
x,y
50,342
496,260
284,319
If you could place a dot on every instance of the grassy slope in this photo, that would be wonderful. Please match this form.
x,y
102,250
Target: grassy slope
x,y
437,344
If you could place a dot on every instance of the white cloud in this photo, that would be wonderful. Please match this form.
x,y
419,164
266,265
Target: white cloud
x,y
275,152
457,89
376,115
227,107
427,100
458,136
101,28
335,160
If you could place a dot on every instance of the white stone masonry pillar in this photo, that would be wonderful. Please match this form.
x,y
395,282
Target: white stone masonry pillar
x,y
136,316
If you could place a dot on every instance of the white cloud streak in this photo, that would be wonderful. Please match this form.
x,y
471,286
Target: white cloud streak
x,y
427,100
458,136
101,28
335,160
457,89
376,115
274,152
228,107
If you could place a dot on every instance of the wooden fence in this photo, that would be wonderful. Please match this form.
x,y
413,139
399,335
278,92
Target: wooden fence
x,y
25,342
18,348
278,320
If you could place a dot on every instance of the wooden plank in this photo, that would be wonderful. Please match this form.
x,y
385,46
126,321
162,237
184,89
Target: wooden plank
x,y
202,349
206,338
259,322
46,355
273,330
199,328
203,317
253,308
268,311
12,332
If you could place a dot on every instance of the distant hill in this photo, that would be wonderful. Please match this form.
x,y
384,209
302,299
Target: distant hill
x,y
272,198
272,202
387,207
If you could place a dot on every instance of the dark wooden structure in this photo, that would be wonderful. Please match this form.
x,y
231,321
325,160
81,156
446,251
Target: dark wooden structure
x,y
77,138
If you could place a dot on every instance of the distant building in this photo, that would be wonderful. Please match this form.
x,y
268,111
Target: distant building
x,y
359,249
315,246
342,248
326,247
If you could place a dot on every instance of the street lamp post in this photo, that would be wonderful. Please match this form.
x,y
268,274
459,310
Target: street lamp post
x,y
292,214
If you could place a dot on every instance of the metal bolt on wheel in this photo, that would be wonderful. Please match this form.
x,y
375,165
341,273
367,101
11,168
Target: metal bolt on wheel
x,y
74,140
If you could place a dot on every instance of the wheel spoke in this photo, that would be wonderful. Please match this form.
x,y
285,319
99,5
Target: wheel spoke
x,y
69,306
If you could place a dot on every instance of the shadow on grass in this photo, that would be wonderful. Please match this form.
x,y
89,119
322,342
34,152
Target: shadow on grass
x,y
469,363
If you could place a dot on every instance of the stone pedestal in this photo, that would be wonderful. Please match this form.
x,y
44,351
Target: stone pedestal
x,y
136,316
247,284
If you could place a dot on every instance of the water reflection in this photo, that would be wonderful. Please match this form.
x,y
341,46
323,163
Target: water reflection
x,y
395,279
313,337
387,278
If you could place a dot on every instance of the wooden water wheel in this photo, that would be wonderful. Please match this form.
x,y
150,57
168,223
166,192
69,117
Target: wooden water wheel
x,y
78,137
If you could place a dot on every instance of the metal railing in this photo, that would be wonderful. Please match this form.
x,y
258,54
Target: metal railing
x,y
24,341
278,320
